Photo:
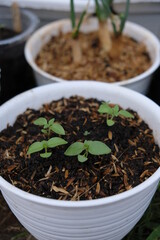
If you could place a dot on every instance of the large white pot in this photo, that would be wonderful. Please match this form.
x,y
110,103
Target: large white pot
x,y
139,83
104,219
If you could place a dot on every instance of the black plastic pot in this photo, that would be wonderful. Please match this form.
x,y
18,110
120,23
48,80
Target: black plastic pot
x,y
16,75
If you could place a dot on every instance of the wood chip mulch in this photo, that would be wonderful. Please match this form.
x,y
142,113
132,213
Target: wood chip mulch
x,y
131,58
133,159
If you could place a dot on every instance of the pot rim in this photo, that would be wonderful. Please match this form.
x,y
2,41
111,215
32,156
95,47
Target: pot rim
x,y
83,203
49,26
33,23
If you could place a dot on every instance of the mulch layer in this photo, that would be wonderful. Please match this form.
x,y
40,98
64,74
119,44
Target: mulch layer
x,y
134,155
130,60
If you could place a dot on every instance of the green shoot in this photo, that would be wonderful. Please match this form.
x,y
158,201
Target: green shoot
x,y
49,126
81,150
104,11
51,143
86,133
100,12
76,28
113,112
72,14
123,17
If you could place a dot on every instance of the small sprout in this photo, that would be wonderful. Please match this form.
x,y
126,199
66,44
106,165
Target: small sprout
x,y
49,126
86,133
51,143
113,112
92,147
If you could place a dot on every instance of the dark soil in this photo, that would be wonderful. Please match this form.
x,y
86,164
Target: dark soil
x,y
133,159
6,33
126,59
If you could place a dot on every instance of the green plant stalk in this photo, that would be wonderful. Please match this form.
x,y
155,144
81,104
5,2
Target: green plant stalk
x,y
107,7
98,10
72,14
124,17
110,14
45,148
76,30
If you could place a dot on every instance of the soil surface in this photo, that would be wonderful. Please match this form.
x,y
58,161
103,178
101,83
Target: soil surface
x,y
126,59
134,155
6,33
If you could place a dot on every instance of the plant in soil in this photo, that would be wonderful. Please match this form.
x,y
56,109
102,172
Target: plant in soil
x,y
104,54
51,143
48,126
111,160
92,147
113,112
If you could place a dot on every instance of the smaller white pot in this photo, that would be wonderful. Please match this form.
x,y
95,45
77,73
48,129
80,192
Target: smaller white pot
x,y
109,218
139,83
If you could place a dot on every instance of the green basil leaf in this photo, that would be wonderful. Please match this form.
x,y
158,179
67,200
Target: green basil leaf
x,y
44,131
126,114
45,144
40,121
110,122
35,147
46,126
116,110
82,158
50,123
57,128
74,149
98,148
46,155
55,141
105,108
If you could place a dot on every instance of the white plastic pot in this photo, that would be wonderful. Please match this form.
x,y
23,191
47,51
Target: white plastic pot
x,y
139,83
104,219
